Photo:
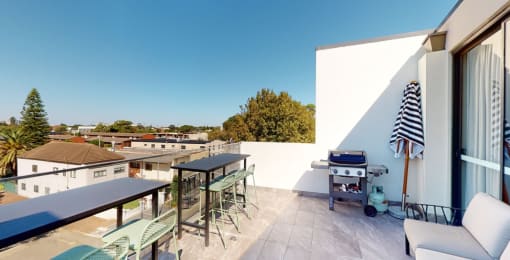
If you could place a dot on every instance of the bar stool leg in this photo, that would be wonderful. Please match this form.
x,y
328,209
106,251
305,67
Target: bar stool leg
x,y
234,190
254,188
222,231
199,210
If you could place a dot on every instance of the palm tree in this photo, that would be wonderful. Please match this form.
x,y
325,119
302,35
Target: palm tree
x,y
14,144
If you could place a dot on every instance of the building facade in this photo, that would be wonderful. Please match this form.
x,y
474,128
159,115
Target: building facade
x,y
62,155
158,168
214,147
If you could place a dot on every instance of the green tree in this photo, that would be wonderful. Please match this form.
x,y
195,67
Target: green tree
x,y
172,128
236,129
100,127
140,128
278,118
13,121
187,129
34,121
14,143
122,126
216,134
311,108
62,128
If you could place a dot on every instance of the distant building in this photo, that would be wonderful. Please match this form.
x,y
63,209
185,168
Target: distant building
x,y
158,168
131,136
85,129
65,155
67,138
116,140
214,147
183,136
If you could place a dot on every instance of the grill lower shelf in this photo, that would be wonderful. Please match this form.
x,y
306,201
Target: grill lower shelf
x,y
335,191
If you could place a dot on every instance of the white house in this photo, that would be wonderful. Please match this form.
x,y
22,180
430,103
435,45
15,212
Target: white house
x,y
64,155
215,146
462,66
158,168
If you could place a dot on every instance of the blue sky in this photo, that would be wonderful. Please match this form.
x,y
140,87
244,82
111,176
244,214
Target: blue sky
x,y
179,62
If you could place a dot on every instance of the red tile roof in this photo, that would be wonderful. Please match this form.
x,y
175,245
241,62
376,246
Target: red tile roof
x,y
72,153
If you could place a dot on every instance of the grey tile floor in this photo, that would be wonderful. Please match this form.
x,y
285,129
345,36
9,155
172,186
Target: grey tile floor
x,y
290,226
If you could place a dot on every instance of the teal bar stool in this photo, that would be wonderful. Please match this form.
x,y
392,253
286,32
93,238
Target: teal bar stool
x,y
219,186
247,201
251,172
144,232
117,249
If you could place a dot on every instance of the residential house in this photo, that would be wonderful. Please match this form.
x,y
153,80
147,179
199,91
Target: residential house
x,y
158,168
214,147
55,156
185,136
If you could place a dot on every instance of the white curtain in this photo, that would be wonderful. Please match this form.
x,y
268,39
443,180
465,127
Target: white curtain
x,y
481,124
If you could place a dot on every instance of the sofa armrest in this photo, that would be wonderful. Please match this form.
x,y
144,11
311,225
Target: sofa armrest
x,y
435,213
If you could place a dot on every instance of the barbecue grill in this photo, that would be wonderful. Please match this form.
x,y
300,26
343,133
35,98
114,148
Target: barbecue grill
x,y
352,166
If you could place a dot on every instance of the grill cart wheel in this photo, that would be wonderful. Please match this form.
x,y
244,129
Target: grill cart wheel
x,y
370,211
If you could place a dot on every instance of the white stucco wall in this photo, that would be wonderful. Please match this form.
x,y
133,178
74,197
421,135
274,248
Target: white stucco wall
x,y
469,16
59,182
358,94
160,171
431,182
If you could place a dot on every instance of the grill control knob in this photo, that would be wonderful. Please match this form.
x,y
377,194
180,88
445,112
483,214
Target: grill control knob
x,y
359,173
347,172
335,171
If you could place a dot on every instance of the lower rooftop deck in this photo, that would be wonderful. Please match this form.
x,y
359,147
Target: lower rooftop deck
x,y
287,225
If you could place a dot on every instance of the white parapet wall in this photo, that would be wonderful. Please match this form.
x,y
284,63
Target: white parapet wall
x,y
286,166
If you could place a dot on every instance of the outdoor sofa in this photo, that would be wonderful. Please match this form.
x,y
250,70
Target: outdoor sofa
x,y
484,233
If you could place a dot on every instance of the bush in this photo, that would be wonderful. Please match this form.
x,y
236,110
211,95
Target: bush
x,y
132,205
174,190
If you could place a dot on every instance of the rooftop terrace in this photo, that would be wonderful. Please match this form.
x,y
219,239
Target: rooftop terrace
x,y
288,225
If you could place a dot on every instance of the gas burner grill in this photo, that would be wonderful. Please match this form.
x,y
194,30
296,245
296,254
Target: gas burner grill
x,y
350,165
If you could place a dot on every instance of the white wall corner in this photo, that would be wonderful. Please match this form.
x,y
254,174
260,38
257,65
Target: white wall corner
x,y
433,183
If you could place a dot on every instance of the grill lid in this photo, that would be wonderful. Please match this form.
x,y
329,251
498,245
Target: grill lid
x,y
339,157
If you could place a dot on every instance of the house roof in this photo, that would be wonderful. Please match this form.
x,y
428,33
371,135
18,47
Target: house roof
x,y
72,153
60,137
118,140
116,134
171,141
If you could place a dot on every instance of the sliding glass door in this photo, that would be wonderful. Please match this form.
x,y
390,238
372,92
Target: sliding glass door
x,y
506,127
482,117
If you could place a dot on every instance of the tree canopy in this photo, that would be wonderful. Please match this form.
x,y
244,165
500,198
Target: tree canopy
x,y
119,126
273,118
14,143
34,121
62,128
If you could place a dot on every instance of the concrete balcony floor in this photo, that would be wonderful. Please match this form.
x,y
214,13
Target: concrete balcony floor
x,y
292,226
286,226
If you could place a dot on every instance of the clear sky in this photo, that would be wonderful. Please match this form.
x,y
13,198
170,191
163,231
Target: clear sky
x,y
179,62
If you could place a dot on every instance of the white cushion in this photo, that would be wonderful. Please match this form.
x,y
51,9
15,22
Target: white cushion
x,y
422,253
488,220
506,253
453,240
